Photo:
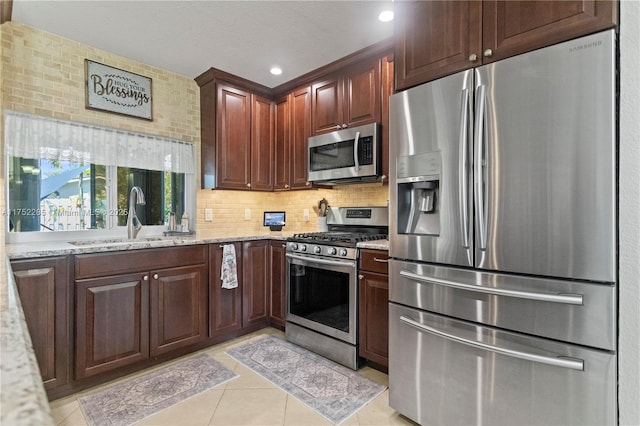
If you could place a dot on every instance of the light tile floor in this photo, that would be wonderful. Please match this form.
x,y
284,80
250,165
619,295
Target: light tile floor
x,y
247,400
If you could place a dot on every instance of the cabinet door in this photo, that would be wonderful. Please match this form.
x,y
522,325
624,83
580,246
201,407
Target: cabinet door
x,y
43,289
281,145
261,143
435,39
361,94
300,132
514,27
278,262
256,276
327,106
178,308
374,317
233,134
387,90
225,305
112,323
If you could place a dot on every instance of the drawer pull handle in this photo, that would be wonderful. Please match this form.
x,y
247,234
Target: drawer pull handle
x,y
569,299
558,361
375,259
155,276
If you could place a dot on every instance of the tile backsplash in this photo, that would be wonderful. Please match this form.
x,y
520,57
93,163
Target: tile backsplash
x,y
229,207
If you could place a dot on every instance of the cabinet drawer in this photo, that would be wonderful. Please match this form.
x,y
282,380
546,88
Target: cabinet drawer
x,y
374,261
119,262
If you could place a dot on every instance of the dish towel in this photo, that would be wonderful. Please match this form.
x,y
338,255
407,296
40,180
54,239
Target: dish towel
x,y
229,274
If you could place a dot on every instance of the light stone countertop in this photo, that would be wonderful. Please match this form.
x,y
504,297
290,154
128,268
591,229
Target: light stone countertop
x,y
375,245
23,400
22,396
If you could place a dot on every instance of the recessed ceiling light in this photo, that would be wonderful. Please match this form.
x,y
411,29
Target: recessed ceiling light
x,y
386,16
276,70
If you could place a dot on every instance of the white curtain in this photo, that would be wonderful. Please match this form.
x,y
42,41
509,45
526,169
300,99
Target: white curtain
x,y
33,136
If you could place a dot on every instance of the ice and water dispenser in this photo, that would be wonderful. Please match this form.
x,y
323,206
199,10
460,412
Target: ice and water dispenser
x,y
418,180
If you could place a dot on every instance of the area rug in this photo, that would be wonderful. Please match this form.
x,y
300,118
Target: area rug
x,y
141,397
332,390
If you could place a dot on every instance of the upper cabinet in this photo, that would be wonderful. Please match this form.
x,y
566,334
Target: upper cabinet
x,y
237,132
346,99
438,38
255,138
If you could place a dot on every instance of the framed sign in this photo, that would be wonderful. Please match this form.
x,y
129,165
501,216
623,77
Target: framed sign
x,y
115,90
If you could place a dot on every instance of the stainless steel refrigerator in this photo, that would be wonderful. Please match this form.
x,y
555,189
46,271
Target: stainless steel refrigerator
x,y
503,241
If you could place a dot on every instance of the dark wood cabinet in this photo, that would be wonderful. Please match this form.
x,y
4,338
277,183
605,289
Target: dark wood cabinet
x,y
178,308
256,276
281,144
237,136
513,27
233,137
225,305
347,99
43,287
132,305
434,39
373,302
387,90
112,323
300,130
438,38
278,301
262,147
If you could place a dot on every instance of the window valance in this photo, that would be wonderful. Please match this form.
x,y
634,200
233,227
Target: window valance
x,y
34,136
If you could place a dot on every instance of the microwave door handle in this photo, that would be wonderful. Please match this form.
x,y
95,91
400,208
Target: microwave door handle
x,y
463,170
355,151
478,166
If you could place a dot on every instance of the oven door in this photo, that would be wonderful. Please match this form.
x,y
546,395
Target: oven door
x,y
321,295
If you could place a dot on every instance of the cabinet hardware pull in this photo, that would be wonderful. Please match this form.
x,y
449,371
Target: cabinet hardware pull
x,y
338,127
473,57
558,360
375,259
308,184
155,276
344,126
145,278
360,276
286,186
248,185
488,53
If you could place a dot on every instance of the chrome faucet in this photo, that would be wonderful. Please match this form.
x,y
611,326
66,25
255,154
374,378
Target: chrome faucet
x,y
133,223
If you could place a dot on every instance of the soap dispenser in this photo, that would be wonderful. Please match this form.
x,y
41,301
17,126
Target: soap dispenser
x,y
185,222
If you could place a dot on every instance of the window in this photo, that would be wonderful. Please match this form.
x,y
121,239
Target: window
x,y
65,176
52,195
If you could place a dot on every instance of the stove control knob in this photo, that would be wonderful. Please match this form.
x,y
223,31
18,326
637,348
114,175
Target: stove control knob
x,y
294,246
303,247
343,252
317,249
332,250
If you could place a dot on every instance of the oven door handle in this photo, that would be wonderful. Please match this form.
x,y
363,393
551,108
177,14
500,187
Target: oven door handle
x,y
321,261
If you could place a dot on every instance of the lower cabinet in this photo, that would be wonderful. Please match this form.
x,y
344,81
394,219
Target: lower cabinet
x,y
43,287
278,299
374,306
126,318
256,276
225,305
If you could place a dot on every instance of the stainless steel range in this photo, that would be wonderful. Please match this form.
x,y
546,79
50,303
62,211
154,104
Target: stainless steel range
x,y
322,283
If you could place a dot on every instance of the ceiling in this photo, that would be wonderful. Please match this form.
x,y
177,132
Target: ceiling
x,y
245,38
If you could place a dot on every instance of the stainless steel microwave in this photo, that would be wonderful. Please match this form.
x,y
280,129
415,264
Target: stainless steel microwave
x,y
345,156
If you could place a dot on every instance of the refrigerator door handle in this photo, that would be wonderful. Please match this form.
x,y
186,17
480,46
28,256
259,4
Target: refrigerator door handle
x,y
479,134
558,360
463,171
355,151
569,299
